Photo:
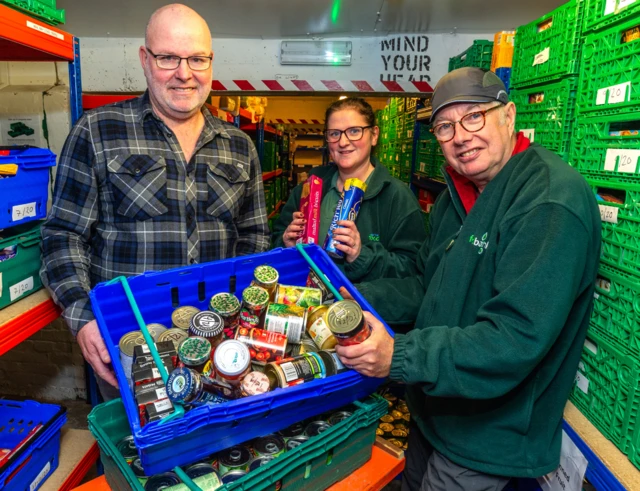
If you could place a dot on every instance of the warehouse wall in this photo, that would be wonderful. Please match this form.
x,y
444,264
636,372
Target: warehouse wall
x,y
112,64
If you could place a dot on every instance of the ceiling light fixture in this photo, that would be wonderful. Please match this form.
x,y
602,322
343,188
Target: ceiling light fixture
x,y
332,53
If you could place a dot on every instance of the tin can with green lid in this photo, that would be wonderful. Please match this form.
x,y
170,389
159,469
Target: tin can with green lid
x,y
255,299
228,306
266,277
195,353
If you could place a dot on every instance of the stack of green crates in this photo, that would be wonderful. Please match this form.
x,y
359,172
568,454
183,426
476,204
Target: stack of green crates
x,y
430,159
395,146
477,55
269,158
270,196
605,149
42,9
544,76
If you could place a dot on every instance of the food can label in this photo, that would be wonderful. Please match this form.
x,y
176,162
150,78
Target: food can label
x,y
319,332
290,325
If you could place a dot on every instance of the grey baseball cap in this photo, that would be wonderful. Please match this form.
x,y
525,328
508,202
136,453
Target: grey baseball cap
x,y
466,85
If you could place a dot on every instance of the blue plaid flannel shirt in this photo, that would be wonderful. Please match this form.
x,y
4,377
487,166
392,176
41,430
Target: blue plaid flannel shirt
x,y
125,201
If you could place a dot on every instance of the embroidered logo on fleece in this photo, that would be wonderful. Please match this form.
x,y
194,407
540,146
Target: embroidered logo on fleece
x,y
374,237
482,244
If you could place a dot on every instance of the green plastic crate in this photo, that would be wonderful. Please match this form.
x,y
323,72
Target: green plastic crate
x,y
610,73
599,14
400,105
616,310
42,9
546,54
411,104
477,55
409,125
20,269
546,114
400,134
607,390
314,465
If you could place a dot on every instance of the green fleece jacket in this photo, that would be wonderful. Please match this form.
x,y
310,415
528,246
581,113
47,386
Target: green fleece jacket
x,y
502,305
390,225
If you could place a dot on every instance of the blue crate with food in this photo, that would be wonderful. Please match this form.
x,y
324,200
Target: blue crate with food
x,y
29,443
24,184
261,326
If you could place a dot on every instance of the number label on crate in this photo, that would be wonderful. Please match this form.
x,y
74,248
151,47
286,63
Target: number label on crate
x,y
21,288
605,285
541,57
19,212
617,94
591,346
530,133
41,475
608,214
625,158
582,382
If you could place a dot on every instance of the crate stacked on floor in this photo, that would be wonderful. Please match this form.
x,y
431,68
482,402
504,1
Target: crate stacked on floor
x,y
479,54
544,76
396,122
429,157
502,56
605,149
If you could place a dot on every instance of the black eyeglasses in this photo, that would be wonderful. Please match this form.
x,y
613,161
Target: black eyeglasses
x,y
353,134
171,62
471,122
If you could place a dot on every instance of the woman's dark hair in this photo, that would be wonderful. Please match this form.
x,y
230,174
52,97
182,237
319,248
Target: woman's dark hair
x,y
357,104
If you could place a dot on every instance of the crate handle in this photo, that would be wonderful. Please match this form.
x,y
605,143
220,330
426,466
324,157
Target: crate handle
x,y
320,274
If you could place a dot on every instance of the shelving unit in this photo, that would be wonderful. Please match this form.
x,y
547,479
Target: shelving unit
x,y
78,452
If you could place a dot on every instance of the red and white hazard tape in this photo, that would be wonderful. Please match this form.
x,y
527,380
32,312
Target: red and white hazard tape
x,y
296,121
319,86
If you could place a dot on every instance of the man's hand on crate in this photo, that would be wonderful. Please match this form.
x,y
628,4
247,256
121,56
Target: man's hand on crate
x,y
373,356
95,352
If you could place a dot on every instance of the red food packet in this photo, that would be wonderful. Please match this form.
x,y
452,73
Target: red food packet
x,y
310,208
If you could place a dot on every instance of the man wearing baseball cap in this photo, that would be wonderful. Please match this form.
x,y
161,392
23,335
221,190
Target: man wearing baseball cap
x,y
501,303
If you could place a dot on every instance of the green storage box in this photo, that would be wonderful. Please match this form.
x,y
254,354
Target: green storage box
x,y
477,55
599,14
19,262
314,465
42,9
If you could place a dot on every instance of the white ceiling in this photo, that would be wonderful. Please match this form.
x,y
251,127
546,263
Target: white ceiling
x,y
280,19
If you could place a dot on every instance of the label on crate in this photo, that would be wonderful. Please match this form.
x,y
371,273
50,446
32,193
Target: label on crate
x,y
624,3
610,7
530,133
582,382
625,158
541,57
603,284
44,30
608,213
591,346
41,475
20,212
617,94
21,288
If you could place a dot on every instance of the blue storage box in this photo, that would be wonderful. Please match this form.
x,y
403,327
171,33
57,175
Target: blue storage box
x,y
202,431
30,466
504,74
23,197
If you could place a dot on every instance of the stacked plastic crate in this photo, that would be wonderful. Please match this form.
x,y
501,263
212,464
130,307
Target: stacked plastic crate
x,y
395,145
502,56
479,54
404,134
544,76
606,149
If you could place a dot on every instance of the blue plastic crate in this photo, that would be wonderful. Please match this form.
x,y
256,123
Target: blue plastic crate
x,y
35,462
23,197
208,429
504,74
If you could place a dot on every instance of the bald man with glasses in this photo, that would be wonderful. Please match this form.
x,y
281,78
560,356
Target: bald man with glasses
x,y
151,183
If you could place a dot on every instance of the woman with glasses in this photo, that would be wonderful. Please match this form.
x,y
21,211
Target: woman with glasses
x,y
389,230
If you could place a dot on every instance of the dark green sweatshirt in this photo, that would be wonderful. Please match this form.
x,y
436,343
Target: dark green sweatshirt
x,y
502,306
390,225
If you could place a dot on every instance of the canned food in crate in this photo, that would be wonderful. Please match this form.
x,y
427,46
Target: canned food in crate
x,y
289,320
296,441
259,462
186,386
181,317
228,306
298,295
161,481
306,346
263,345
232,361
236,458
332,363
127,344
156,330
339,417
207,482
318,330
396,442
127,448
138,471
379,432
396,414
292,431
271,445
175,335
208,325
247,320
254,384
233,476
255,299
315,428
346,321
294,371
387,418
401,426
400,435
266,277
199,469
195,353
391,398
387,428
314,281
